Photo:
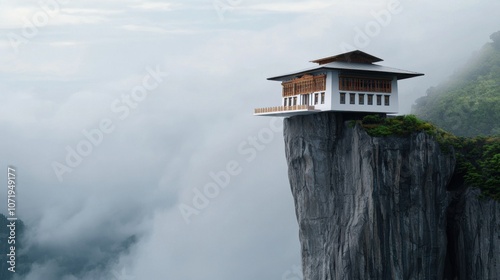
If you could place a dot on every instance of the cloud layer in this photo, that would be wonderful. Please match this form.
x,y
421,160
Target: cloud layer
x,y
116,213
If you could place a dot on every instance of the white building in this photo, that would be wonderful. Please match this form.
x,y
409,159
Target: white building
x,y
348,82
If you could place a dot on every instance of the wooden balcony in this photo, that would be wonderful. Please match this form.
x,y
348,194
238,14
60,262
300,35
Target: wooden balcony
x,y
283,109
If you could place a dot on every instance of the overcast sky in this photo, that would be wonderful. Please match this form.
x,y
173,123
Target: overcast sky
x,y
117,114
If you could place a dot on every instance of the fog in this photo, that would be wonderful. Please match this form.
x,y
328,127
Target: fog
x,y
117,115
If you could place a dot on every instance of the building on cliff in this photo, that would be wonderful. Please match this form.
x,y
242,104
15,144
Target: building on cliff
x,y
348,82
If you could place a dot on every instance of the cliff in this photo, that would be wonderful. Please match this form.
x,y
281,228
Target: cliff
x,y
378,208
474,236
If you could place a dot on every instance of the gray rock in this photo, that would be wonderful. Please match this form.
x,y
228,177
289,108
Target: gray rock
x,y
474,237
367,207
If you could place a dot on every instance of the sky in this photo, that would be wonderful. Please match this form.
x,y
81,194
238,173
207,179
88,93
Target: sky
x,y
130,125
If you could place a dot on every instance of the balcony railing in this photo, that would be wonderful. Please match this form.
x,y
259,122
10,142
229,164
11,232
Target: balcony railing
x,y
283,108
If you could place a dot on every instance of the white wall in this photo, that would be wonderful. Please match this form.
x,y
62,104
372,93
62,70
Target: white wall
x,y
328,103
334,90
336,106
332,98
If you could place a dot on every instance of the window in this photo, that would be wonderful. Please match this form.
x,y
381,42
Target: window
x,y
289,101
315,98
294,100
365,84
284,101
322,98
386,100
342,98
379,99
352,98
370,99
361,99
305,99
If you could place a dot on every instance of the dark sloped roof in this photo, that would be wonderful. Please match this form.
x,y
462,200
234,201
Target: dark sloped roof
x,y
350,66
354,56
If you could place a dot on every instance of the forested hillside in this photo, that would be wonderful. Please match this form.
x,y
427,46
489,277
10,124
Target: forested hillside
x,y
468,104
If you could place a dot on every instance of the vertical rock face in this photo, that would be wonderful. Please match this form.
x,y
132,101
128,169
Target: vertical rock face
x,y
474,237
367,208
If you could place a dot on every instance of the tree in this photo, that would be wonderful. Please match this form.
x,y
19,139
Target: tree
x,y
495,37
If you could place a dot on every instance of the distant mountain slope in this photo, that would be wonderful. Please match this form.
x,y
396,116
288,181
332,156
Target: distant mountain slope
x,y
468,104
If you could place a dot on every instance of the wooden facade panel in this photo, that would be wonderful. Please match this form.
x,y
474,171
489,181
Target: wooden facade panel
x,y
304,85
365,84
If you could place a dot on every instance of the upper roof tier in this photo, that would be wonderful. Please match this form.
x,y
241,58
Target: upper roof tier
x,y
354,56
355,62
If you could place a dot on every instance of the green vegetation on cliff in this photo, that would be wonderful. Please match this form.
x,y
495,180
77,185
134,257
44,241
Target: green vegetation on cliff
x,y
400,125
478,158
479,163
468,104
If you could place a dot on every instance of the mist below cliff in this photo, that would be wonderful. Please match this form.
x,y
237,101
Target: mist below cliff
x,y
385,207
